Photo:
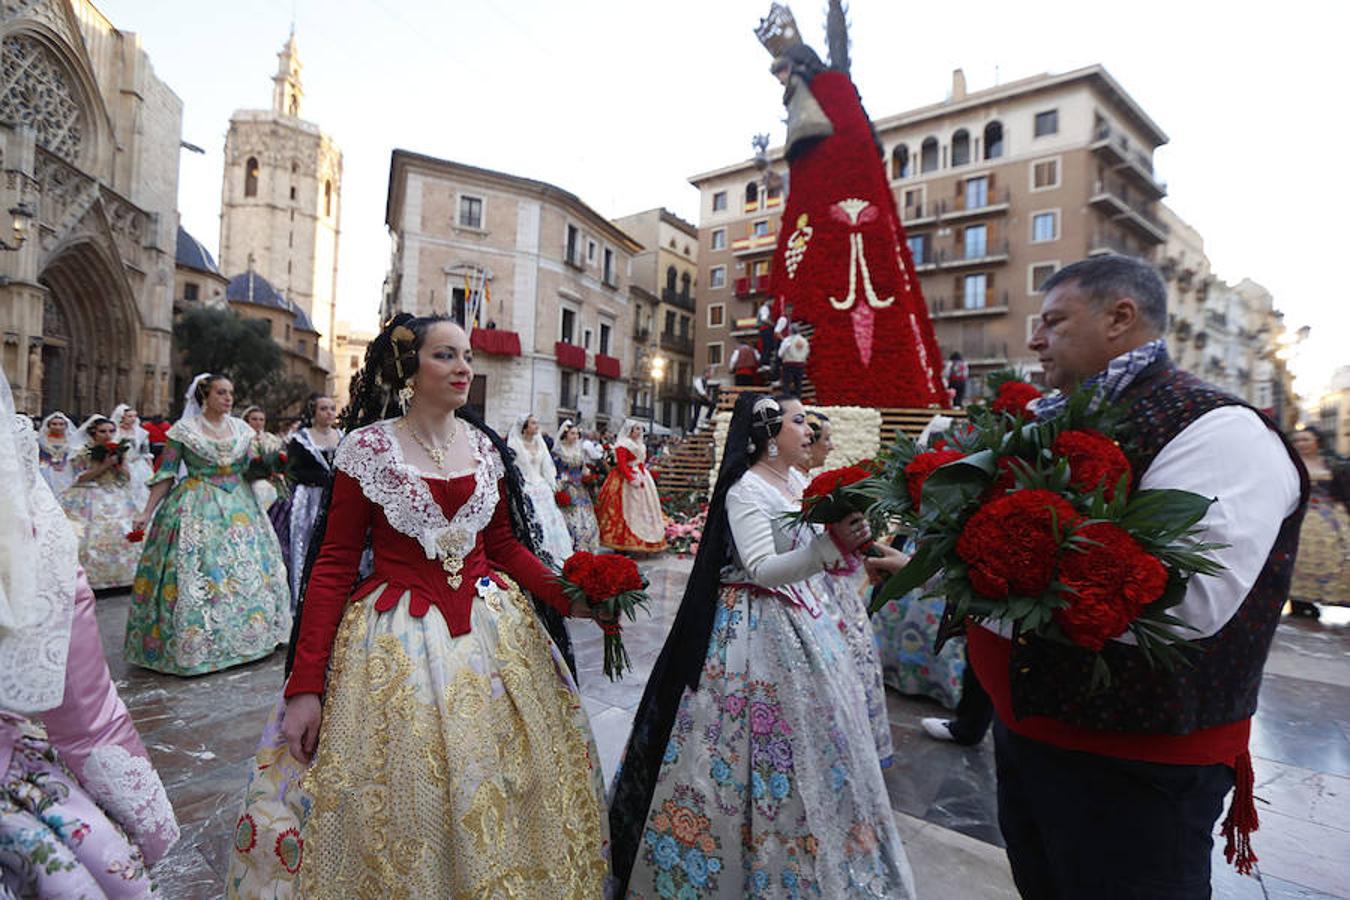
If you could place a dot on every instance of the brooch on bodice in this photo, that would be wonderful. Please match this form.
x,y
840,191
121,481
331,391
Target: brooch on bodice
x,y
453,545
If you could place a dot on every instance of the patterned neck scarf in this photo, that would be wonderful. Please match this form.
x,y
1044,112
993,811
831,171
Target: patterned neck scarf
x,y
1114,379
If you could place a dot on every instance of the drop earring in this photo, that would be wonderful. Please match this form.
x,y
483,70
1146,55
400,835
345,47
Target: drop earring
x,y
405,396
773,448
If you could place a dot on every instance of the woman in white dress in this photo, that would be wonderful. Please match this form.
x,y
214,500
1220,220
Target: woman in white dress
x,y
540,476
751,770
102,504
138,458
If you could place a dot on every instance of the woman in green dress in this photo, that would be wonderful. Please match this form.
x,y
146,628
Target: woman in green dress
x,y
210,590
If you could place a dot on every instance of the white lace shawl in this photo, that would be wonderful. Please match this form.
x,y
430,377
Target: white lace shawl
x,y
373,457
189,433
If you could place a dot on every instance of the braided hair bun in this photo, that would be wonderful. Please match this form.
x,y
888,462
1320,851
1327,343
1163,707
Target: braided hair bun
x,y
391,360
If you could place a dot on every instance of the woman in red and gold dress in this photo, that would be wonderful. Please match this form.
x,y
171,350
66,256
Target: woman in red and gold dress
x,y
629,507
448,753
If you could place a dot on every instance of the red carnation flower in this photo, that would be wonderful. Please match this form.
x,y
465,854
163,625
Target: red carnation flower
x,y
563,499
136,536
1005,480
922,465
1011,544
1013,397
828,482
602,577
1111,581
1094,459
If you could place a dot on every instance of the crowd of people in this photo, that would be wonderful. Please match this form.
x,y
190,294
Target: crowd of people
x,y
406,555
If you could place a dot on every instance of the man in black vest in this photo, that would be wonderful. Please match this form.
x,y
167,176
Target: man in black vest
x,y
1115,794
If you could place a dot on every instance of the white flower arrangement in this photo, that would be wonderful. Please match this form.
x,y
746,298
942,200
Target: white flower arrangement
x,y
854,430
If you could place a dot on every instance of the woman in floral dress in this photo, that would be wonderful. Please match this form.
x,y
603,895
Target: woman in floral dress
x,y
55,447
82,811
751,769
447,749
850,591
102,501
1322,572
629,506
579,512
210,591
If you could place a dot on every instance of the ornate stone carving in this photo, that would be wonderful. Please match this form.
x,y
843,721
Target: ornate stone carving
x,y
35,90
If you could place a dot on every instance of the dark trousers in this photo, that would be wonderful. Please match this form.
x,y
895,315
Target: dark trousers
x,y
1079,825
793,373
958,386
745,379
974,713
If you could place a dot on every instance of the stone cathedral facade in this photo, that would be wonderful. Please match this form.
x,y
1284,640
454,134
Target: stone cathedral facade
x,y
281,201
89,143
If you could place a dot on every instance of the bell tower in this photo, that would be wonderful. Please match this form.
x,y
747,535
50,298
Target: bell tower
x,y
287,93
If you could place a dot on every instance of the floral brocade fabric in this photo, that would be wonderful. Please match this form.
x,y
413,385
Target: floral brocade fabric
x,y
210,591
770,785
1322,572
102,511
446,767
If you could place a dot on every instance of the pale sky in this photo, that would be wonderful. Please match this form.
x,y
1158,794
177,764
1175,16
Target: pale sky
x,y
619,101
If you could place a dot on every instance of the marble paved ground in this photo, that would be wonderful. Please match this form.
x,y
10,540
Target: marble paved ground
x,y
201,733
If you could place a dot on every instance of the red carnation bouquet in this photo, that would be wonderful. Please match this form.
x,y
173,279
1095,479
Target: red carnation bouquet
x,y
562,498
1012,395
136,536
1036,524
835,494
611,585
100,452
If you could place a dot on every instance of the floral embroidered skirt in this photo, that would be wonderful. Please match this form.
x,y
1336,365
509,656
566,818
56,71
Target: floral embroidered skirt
x,y
557,539
906,629
770,785
446,767
580,518
210,591
1322,570
102,511
847,592
55,841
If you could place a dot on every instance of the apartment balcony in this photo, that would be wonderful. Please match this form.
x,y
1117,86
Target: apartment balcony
x,y
745,327
752,286
1109,198
641,334
963,206
927,261
917,214
677,343
641,412
753,244
678,298
978,353
1113,148
983,255
1103,242
992,303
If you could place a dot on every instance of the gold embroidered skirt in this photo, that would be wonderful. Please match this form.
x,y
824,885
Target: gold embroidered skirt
x,y
446,767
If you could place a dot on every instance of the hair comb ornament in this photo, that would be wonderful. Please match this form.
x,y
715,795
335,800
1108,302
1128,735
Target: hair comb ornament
x,y
778,30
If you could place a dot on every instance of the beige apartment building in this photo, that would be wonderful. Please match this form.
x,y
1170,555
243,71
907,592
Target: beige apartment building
x,y
996,188
664,311
349,355
541,277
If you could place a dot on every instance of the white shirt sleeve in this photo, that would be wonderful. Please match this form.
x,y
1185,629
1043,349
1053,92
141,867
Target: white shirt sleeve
x,y
752,530
1232,455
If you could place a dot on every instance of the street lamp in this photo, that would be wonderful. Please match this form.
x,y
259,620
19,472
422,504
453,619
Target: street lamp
x,y
657,367
23,216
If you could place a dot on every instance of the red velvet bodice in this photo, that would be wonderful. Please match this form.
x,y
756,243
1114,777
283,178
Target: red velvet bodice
x,y
402,565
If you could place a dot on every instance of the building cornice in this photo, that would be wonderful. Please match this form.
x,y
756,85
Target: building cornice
x,y
401,161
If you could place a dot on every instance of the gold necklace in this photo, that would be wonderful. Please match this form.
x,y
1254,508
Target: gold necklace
x,y
776,474
437,454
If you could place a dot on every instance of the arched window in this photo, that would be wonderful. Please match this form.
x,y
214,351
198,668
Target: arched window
x,y
685,285
900,162
671,277
961,148
328,198
993,140
251,177
928,155
752,193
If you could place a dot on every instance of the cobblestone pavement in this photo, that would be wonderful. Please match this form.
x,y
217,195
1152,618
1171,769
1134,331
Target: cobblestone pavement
x,y
202,732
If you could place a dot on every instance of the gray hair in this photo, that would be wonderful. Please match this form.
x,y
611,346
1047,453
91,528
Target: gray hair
x,y
1106,278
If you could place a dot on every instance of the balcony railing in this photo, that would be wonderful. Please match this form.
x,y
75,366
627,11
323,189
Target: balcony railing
x,y
1104,242
679,343
964,205
918,213
981,353
990,252
956,307
1115,147
678,298
641,334
1111,197
752,285
640,412
754,243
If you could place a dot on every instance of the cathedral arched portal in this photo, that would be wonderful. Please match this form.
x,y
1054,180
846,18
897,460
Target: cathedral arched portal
x,y
90,327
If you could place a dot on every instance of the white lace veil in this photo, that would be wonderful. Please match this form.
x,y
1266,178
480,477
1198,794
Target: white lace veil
x,y
42,430
639,447
79,439
536,449
18,574
191,408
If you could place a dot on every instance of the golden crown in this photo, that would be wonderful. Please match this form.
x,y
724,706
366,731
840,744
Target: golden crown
x,y
778,30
